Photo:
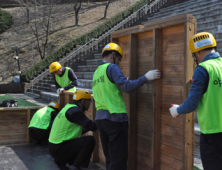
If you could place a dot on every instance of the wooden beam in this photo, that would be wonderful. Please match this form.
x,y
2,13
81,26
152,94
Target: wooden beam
x,y
180,19
28,122
190,30
157,89
132,103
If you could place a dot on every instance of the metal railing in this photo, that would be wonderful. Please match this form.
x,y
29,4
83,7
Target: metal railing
x,y
105,38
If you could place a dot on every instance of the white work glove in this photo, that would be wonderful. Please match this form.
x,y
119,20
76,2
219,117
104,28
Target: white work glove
x,y
60,91
173,110
153,74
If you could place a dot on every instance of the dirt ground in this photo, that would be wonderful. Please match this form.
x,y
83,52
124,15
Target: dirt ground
x,y
62,30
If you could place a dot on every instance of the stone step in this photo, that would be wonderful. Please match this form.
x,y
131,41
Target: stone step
x,y
43,84
84,75
93,62
196,12
42,88
84,83
87,68
49,96
35,91
47,81
98,56
188,5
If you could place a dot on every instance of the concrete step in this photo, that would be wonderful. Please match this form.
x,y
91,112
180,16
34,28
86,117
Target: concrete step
x,y
42,88
98,56
87,68
93,62
84,75
35,91
43,84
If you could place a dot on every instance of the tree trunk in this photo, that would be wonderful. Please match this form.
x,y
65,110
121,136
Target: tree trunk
x,y
107,5
77,11
28,15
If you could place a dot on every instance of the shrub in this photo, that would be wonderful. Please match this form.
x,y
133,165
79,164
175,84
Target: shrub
x,y
5,21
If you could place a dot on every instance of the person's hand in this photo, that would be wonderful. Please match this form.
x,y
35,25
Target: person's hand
x,y
153,74
173,110
60,91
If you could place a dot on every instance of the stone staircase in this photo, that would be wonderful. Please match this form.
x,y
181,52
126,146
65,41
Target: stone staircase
x,y
207,12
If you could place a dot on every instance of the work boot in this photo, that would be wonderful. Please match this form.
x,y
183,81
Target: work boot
x,y
61,165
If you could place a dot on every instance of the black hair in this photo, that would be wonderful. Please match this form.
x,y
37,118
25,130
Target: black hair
x,y
108,52
211,48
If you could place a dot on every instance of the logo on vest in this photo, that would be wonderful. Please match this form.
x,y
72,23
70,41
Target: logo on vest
x,y
99,80
64,80
216,82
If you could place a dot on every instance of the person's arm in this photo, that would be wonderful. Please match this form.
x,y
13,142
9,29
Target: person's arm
x,y
116,76
76,115
198,88
72,76
56,84
53,114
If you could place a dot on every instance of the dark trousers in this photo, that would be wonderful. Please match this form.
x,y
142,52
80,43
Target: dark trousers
x,y
40,135
76,152
114,138
211,151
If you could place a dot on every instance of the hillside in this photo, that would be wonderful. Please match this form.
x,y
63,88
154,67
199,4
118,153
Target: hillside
x,y
62,30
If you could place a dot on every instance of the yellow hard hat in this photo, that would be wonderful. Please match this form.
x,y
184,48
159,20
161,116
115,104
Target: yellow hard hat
x,y
81,94
113,47
54,105
54,67
202,41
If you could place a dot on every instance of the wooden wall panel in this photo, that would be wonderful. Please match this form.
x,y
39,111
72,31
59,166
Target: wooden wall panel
x,y
144,99
162,143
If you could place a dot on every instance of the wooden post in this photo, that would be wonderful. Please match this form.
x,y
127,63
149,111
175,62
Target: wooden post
x,y
157,90
65,98
132,103
95,134
28,122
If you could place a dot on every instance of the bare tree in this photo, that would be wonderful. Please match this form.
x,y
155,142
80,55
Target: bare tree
x,y
77,9
107,6
27,4
41,25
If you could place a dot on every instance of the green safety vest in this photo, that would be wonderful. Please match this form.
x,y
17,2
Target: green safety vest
x,y
209,110
64,80
42,118
106,94
62,129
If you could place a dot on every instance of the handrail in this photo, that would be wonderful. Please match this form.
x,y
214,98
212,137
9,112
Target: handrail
x,y
114,28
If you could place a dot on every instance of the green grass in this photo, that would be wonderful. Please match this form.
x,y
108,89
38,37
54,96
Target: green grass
x,y
5,21
21,103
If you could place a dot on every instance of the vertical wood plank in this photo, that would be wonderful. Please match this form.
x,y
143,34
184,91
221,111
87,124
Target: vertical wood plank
x,y
157,88
62,100
132,103
95,135
190,30
28,121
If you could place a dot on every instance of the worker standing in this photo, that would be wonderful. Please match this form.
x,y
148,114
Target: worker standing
x,y
206,96
109,83
65,142
65,78
41,122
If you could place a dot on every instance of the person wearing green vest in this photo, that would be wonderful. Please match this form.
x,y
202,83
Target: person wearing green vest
x,y
206,96
65,142
109,83
65,78
41,122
